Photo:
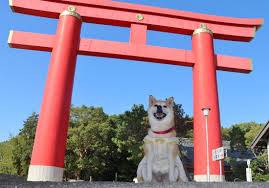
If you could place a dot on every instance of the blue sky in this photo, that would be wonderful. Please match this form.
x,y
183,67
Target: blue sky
x,y
118,84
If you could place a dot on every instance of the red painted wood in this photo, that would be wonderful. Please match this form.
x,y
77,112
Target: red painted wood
x,y
124,18
50,139
43,42
205,96
138,34
234,64
109,4
31,41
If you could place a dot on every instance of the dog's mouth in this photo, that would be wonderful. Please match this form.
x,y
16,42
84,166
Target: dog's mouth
x,y
159,116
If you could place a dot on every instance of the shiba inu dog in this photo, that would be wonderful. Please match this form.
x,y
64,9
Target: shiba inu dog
x,y
161,162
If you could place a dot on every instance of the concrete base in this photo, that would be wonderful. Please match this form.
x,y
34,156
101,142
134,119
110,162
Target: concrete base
x,y
45,173
213,178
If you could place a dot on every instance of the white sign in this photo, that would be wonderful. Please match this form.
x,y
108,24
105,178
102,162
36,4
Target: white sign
x,y
249,174
218,154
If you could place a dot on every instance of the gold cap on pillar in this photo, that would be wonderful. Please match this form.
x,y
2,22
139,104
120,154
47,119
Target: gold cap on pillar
x,y
202,28
71,11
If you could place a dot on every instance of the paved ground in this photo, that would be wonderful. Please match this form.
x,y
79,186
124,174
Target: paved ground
x,y
9,181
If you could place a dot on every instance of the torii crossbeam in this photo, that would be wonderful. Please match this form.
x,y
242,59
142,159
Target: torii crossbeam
x,y
47,163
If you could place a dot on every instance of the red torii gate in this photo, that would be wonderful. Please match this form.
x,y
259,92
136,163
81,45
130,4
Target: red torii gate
x,y
47,163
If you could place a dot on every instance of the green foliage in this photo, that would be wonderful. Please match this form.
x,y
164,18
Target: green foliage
x,y
259,166
252,133
183,123
237,139
241,136
247,126
18,156
225,133
99,145
90,149
238,170
6,165
249,129
131,129
23,144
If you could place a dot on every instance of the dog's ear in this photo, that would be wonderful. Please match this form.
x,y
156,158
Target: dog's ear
x,y
152,100
170,101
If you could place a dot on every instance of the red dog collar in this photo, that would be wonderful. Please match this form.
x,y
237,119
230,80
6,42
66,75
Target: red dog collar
x,y
166,131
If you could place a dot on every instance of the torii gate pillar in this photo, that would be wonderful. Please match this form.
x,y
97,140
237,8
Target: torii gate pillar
x,y
47,163
205,96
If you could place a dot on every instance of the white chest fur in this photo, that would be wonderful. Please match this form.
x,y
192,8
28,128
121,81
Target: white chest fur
x,y
161,161
160,152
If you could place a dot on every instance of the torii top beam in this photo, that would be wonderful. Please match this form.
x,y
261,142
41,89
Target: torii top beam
x,y
139,18
159,19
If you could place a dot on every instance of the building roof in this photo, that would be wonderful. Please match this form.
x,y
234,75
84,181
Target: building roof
x,y
188,155
262,138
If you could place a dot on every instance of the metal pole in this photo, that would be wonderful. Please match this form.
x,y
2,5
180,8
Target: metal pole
x,y
207,152
220,171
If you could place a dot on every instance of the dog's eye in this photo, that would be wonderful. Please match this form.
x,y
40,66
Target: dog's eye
x,y
156,105
165,106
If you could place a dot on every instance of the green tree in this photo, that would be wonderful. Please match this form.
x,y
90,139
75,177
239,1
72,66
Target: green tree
x,y
90,150
252,133
259,166
183,123
225,132
250,130
23,144
6,165
98,145
238,169
246,126
132,127
241,136
237,139
17,156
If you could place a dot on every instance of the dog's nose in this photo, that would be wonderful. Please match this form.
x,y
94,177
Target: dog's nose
x,y
159,109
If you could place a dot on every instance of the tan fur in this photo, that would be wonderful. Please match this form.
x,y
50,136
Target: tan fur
x,y
161,161
145,150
